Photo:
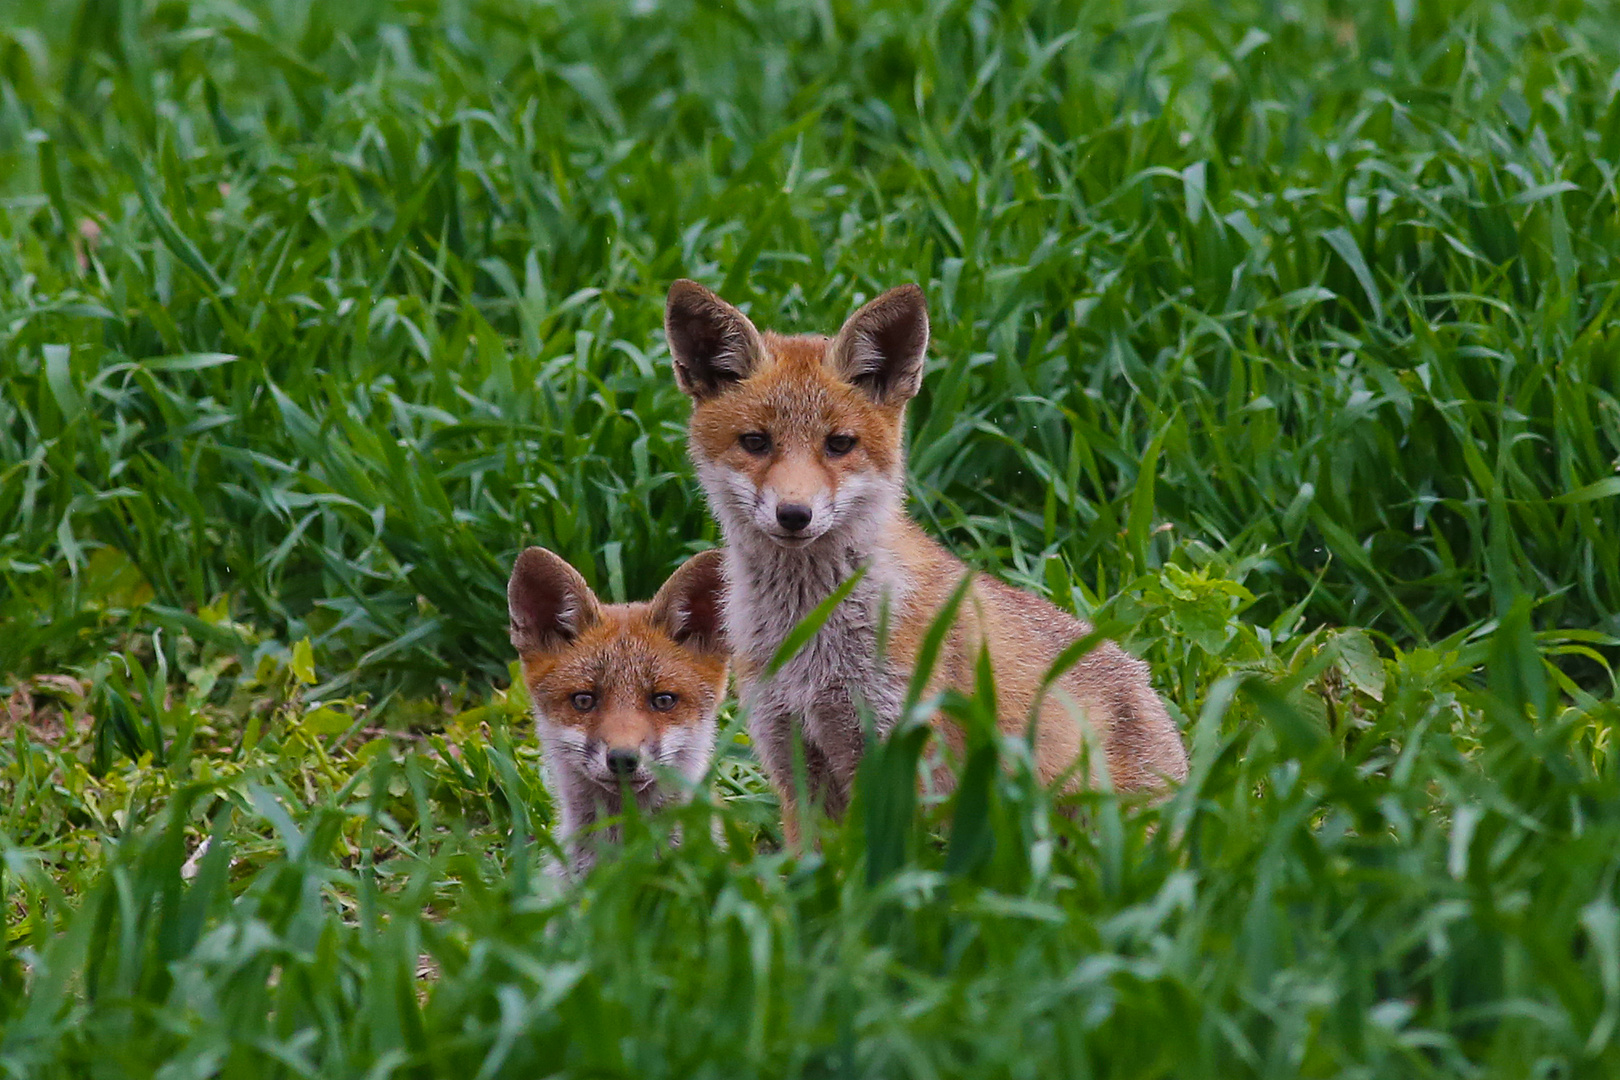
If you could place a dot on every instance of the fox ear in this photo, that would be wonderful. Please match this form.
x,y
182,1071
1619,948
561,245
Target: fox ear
x,y
548,603
880,349
691,605
713,344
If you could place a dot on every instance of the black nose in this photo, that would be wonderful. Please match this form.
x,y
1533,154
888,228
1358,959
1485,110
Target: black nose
x,y
623,762
792,516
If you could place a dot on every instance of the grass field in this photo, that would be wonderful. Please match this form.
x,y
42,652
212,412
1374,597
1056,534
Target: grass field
x,y
1281,339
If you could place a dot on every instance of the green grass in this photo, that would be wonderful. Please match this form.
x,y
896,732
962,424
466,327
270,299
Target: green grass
x,y
1281,339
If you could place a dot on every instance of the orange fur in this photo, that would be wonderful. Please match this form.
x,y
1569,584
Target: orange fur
x,y
624,658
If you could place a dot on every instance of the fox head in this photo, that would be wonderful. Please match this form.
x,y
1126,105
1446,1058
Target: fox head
x,y
797,438
620,690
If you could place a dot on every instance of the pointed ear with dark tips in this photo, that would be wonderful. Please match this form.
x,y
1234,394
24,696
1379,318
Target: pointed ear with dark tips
x,y
548,603
691,605
880,349
712,343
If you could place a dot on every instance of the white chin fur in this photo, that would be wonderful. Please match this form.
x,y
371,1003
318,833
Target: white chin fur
x,y
742,508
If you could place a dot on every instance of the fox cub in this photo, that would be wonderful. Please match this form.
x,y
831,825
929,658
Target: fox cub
x,y
621,692
798,443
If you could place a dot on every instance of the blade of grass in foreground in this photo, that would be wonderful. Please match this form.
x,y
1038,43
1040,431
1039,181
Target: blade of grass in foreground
x,y
807,627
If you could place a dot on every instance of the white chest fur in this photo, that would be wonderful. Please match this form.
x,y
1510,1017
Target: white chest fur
x,y
838,672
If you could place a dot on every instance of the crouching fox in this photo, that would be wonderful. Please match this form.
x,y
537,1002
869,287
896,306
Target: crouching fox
x,y
624,695
798,444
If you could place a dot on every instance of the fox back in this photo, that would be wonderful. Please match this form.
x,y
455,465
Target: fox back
x,y
624,695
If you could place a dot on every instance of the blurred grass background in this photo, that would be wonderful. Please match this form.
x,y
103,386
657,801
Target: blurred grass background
x,y
1279,337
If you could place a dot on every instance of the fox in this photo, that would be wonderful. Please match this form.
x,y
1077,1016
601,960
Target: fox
x,y
625,696
798,444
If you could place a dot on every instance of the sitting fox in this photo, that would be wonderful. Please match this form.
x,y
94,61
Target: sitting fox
x,y
798,446
621,692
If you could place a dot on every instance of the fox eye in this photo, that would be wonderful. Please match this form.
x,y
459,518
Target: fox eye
x,y
663,701
583,701
755,442
839,445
